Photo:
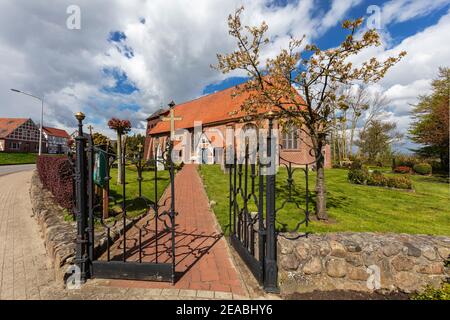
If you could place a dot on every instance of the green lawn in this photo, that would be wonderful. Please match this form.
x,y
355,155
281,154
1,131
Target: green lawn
x,y
7,158
351,207
136,205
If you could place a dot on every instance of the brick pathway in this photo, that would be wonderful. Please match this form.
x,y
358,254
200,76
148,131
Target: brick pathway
x,y
202,258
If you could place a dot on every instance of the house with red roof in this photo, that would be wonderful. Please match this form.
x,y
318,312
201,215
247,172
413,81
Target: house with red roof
x,y
19,135
56,140
217,113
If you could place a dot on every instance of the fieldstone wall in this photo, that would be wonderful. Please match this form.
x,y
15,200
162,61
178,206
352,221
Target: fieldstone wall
x,y
60,236
345,261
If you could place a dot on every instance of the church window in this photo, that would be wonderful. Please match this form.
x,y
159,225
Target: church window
x,y
290,138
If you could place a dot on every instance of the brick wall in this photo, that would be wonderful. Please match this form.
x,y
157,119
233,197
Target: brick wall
x,y
299,156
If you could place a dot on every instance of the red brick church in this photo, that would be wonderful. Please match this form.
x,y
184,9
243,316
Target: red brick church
x,y
217,112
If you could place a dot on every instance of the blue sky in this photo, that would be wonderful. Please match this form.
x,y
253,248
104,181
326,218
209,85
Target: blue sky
x,y
137,56
397,31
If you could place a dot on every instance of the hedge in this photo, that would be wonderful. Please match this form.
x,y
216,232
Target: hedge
x,y
358,176
56,175
362,176
423,168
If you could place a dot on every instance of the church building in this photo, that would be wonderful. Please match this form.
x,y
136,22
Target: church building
x,y
218,112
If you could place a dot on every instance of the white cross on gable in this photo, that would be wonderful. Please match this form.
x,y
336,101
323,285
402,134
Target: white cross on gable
x,y
172,120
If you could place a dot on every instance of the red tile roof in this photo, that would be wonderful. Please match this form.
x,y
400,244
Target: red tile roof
x,y
213,108
56,132
8,125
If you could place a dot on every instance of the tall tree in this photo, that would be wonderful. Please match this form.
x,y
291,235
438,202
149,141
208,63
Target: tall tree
x,y
376,140
99,139
122,127
358,103
102,141
430,127
315,72
133,143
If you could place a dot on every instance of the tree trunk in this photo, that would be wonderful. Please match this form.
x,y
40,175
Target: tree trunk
x,y
119,159
445,162
321,196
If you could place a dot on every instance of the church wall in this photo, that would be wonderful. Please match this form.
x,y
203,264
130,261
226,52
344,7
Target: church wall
x,y
301,156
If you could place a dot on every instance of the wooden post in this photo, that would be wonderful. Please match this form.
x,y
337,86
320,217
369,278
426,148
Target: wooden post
x,y
105,204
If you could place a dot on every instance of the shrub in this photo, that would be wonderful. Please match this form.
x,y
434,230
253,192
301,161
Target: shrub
x,y
422,168
362,176
358,176
399,182
56,175
356,165
342,165
431,293
377,172
403,170
405,161
377,179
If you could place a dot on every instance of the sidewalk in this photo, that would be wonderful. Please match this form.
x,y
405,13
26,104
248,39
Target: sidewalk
x,y
25,270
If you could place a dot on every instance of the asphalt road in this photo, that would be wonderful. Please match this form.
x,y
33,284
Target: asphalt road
x,y
16,168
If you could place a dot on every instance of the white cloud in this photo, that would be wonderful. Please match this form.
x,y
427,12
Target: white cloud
x,y
338,10
404,10
172,51
427,51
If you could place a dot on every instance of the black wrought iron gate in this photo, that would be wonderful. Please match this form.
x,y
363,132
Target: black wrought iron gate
x,y
144,244
252,215
253,209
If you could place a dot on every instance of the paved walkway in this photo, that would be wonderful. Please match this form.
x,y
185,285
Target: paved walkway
x,y
16,168
26,271
203,261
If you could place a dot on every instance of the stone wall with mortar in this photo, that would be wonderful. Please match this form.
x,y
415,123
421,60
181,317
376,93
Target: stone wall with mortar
x,y
345,261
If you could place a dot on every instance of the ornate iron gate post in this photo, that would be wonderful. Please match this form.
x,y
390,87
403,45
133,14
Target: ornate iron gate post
x,y
81,258
172,212
270,261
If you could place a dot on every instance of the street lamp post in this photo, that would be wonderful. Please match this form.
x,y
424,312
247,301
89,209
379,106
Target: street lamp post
x,y
41,132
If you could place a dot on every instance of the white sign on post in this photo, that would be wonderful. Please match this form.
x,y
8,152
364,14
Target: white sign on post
x,y
159,159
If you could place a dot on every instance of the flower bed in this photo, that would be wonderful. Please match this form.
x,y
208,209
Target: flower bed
x,y
403,170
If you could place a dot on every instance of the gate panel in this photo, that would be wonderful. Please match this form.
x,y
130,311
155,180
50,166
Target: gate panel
x,y
247,226
253,210
252,215
144,248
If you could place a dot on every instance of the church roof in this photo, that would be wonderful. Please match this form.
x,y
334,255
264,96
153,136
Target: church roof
x,y
158,113
218,107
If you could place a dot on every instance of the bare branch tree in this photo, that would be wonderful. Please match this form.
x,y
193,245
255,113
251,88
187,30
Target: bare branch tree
x,y
313,72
